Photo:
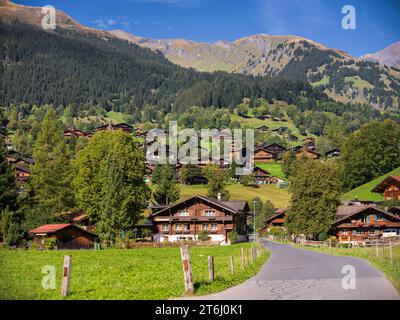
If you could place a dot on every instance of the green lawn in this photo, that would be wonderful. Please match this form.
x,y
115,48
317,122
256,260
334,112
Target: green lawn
x,y
364,192
117,117
275,168
382,262
279,197
323,81
145,273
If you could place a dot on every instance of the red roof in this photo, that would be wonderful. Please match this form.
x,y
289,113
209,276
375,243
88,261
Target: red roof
x,y
50,228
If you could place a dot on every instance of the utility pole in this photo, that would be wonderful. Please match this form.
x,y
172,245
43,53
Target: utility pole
x,y
254,226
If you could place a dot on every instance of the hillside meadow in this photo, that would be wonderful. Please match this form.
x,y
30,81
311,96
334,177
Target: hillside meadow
x,y
136,274
364,193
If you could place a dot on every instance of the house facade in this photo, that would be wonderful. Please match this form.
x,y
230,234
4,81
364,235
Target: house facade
x,y
67,236
277,220
363,223
196,215
389,188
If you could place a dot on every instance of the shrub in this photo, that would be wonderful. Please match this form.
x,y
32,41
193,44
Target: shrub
x,y
50,243
323,236
277,232
203,236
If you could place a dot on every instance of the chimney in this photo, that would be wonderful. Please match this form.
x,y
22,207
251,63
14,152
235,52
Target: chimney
x,y
219,197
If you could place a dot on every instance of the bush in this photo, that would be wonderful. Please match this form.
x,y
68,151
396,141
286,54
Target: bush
x,y
234,236
203,236
323,236
277,232
12,234
50,243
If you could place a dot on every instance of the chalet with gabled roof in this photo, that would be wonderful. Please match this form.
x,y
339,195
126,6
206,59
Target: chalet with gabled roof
x,y
22,174
189,218
389,188
120,126
67,236
363,223
276,220
262,176
72,132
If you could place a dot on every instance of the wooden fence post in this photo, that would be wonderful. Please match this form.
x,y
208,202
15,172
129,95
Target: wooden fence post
x,y
390,252
232,265
187,268
242,251
66,277
247,256
383,248
377,248
252,255
211,268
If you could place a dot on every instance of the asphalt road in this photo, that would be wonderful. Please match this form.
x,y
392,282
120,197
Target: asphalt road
x,y
297,274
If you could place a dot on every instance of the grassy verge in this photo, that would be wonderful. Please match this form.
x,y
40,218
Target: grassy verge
x,y
381,262
145,273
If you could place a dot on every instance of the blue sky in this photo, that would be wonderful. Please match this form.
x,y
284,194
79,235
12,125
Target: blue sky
x,y
377,22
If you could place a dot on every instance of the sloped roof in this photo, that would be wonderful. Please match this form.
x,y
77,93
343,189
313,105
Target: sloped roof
x,y
364,208
346,210
50,228
234,206
380,188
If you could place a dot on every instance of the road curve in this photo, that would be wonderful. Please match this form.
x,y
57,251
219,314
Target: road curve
x,y
297,274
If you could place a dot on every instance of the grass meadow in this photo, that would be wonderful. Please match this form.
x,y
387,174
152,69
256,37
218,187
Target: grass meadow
x,y
137,274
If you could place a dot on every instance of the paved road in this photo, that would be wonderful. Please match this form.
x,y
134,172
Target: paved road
x,y
296,274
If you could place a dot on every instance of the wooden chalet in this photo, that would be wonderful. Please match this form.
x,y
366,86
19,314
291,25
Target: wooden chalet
x,y
276,220
292,138
78,218
389,188
361,223
12,156
120,126
262,176
187,219
22,174
280,129
23,161
307,153
67,236
263,155
276,149
334,153
72,132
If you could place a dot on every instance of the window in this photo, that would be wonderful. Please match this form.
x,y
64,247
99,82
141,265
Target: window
x,y
359,232
178,227
183,213
379,217
372,231
164,227
209,213
365,219
186,227
205,227
214,227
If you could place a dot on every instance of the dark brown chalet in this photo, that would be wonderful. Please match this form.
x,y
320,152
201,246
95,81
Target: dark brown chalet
x,y
22,174
189,218
72,132
262,176
277,220
390,188
78,218
263,155
120,126
361,223
275,149
67,236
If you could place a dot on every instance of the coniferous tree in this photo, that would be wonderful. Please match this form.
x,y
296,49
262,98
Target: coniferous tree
x,y
167,191
51,174
8,190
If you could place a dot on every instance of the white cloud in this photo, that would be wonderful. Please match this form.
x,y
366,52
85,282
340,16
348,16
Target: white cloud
x,y
104,23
